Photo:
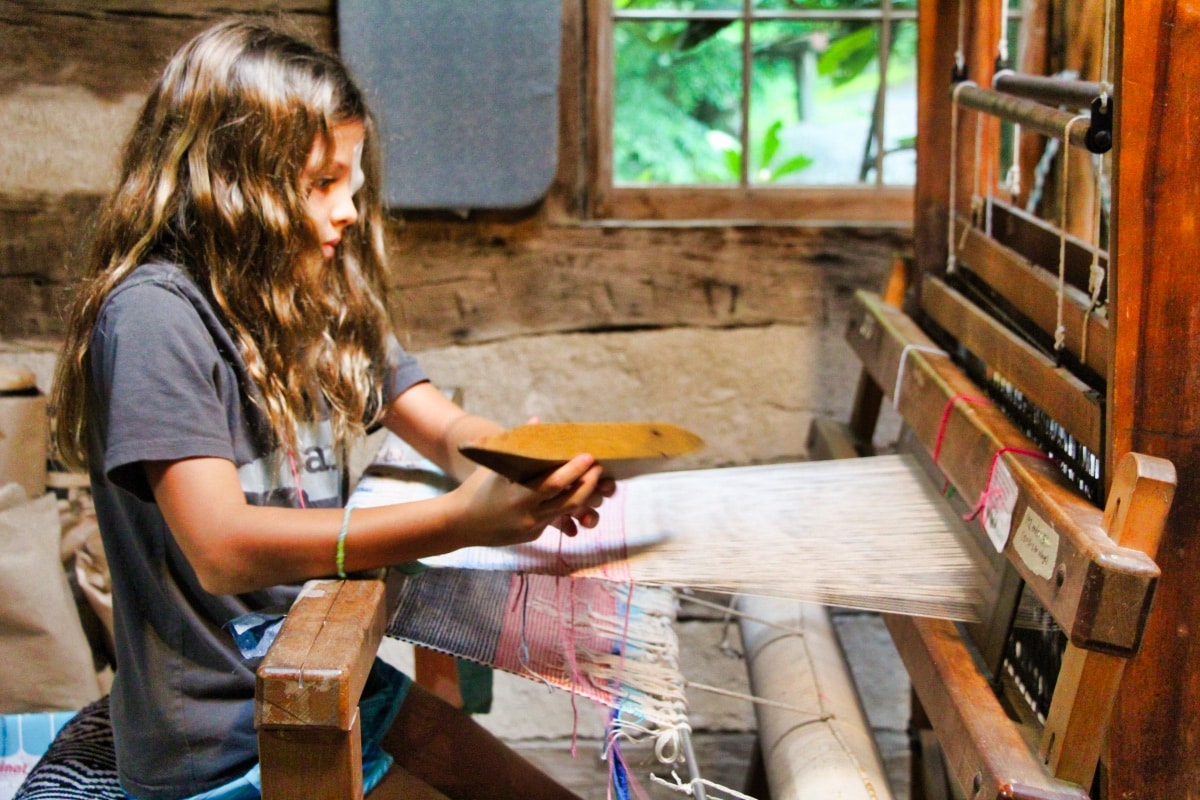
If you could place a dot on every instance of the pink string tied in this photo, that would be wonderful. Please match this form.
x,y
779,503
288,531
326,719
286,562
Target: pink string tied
x,y
988,493
941,431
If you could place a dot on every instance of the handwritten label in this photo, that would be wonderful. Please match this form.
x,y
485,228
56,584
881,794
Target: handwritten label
x,y
1037,544
998,505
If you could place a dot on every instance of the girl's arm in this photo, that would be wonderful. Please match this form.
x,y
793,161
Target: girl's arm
x,y
435,426
236,547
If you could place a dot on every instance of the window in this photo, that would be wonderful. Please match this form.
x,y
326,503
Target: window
x,y
754,109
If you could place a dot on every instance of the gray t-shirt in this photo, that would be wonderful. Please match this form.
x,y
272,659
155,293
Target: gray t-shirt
x,y
170,385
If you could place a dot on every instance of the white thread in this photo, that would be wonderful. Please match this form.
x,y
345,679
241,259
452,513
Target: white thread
x,y
689,788
924,348
1105,75
733,611
1096,273
960,59
815,716
952,249
1002,45
1060,330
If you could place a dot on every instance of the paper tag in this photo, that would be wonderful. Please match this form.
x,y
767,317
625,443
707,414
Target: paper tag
x,y
998,505
1037,544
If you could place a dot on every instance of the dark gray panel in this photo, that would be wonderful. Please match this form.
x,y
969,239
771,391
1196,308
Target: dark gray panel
x,y
466,93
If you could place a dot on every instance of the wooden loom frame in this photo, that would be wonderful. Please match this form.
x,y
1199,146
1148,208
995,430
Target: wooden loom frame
x,y
1127,694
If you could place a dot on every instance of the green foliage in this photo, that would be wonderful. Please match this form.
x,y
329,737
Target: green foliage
x,y
768,149
678,89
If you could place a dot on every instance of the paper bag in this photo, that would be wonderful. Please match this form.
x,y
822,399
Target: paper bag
x,y
46,663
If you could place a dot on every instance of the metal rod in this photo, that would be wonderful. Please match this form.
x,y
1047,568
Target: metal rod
x,y
685,737
1054,91
1030,115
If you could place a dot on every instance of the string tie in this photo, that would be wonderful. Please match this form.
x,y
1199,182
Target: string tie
x,y
924,348
988,492
941,431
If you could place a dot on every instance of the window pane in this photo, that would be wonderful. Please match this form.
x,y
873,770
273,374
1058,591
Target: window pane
x,y
818,5
677,5
900,108
677,106
813,95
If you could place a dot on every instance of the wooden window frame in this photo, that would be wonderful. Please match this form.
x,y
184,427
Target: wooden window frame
x,y
850,204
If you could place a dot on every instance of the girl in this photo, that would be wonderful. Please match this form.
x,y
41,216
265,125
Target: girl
x,y
230,339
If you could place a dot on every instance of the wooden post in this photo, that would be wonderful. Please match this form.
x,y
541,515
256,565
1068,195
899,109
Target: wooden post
x,y
1088,681
308,688
1154,387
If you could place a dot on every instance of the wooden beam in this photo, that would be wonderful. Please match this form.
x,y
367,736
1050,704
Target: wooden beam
x,y
314,763
984,750
1034,291
1041,242
308,687
1087,684
1051,388
120,46
314,673
1154,387
937,31
1099,592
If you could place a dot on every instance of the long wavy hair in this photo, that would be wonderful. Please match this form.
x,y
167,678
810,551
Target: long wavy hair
x,y
211,179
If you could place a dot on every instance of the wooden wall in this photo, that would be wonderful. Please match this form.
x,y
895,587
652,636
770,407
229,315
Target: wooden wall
x,y
733,329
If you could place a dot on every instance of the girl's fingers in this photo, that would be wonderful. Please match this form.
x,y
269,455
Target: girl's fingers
x,y
569,478
566,525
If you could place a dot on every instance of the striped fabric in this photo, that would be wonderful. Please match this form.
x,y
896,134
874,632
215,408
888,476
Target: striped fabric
x,y
81,762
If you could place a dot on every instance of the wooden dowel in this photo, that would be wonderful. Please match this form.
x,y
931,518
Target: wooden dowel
x,y
1027,113
1052,91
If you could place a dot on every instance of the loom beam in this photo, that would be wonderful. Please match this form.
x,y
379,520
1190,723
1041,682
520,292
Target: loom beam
x,y
984,751
308,687
1030,115
794,658
1052,388
1025,285
1098,591
1052,91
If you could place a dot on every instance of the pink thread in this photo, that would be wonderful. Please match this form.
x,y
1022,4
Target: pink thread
x,y
941,432
567,636
988,492
296,479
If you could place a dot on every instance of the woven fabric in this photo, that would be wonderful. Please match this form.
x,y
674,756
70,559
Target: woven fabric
x,y
608,641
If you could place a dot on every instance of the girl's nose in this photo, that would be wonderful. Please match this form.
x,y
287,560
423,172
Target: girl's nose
x,y
345,213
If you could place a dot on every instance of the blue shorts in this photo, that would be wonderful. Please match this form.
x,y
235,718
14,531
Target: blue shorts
x,y
382,697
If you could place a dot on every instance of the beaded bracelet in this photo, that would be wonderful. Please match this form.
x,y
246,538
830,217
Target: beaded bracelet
x,y
340,559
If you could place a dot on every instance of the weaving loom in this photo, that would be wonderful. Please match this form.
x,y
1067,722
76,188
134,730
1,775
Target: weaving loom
x,y
580,612
591,614
1014,366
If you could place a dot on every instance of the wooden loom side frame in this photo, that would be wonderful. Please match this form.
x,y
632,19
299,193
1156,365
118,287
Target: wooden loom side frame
x,y
1152,377
1098,591
1154,380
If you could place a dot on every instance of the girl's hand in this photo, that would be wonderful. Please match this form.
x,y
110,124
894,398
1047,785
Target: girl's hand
x,y
586,516
493,511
